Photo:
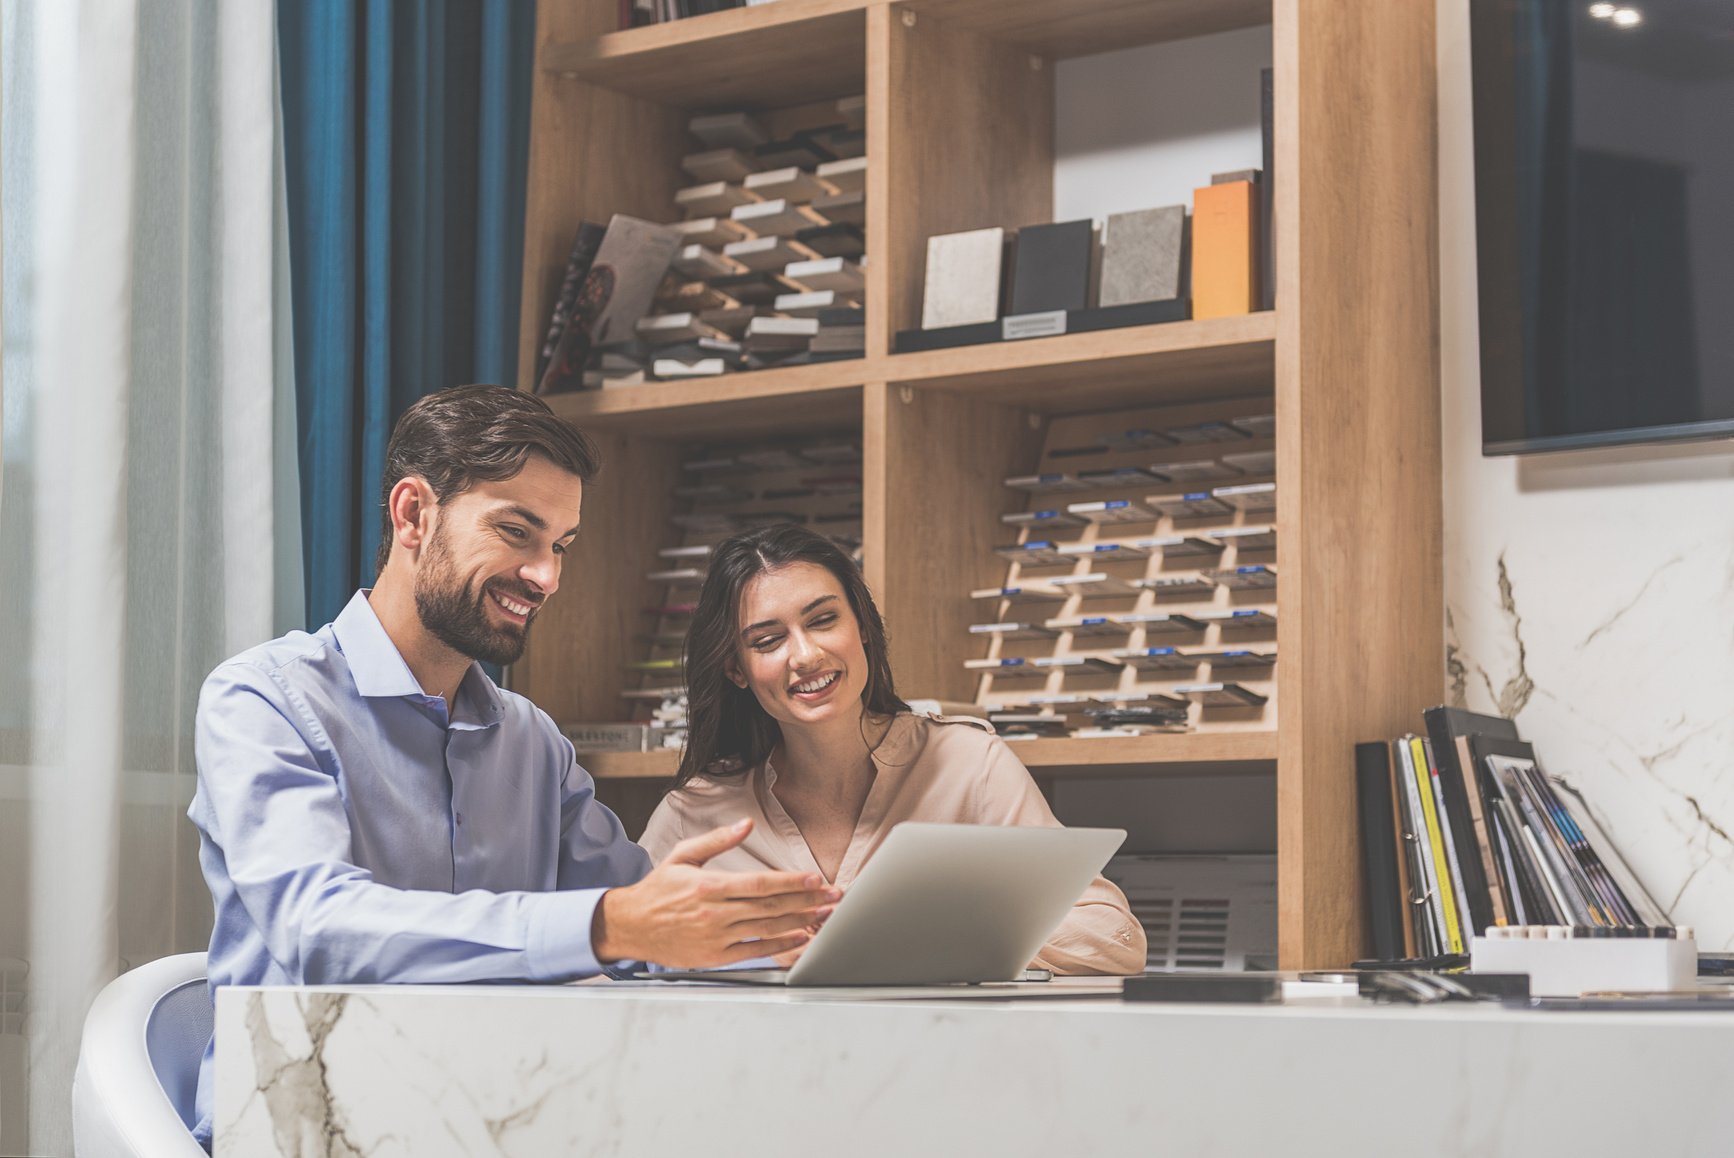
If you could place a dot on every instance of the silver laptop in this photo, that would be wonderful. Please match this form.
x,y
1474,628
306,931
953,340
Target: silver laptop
x,y
945,904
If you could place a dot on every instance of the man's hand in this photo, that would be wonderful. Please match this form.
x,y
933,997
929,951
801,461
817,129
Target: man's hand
x,y
689,917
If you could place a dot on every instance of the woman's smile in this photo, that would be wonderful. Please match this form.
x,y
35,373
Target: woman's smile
x,y
815,688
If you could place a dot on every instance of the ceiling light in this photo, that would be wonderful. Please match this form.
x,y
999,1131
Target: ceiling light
x,y
1602,11
1627,17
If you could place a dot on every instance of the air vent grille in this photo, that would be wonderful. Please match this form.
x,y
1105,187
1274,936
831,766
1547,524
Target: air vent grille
x,y
1210,913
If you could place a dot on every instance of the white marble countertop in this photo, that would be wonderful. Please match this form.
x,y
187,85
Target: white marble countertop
x,y
662,1069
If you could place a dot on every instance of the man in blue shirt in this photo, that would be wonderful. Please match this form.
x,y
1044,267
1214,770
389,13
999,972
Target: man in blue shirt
x,y
372,808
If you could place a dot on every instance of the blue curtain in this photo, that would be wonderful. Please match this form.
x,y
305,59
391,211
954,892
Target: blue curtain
x,y
407,129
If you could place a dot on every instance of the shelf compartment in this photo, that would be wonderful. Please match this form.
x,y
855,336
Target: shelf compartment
x,y
1179,754
773,401
813,48
1065,28
1138,365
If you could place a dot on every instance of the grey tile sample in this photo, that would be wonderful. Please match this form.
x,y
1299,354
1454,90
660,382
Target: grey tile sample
x,y
962,278
1142,255
1051,267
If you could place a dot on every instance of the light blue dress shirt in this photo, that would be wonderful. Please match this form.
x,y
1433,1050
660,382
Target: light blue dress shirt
x,y
352,831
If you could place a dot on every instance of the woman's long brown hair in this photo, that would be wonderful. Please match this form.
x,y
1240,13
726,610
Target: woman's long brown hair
x,y
727,730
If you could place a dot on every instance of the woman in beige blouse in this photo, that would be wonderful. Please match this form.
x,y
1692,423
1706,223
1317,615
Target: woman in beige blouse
x,y
793,722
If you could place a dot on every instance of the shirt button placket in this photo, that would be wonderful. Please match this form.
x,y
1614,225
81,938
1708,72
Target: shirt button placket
x,y
457,814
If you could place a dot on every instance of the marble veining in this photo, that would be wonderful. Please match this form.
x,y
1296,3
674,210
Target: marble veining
x,y
1623,689
291,1078
628,1070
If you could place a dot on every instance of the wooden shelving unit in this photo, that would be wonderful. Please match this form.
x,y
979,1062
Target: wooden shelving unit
x,y
960,114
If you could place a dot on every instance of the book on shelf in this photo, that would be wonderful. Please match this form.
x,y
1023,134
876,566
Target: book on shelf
x,y
1468,832
630,262
1449,729
1386,877
1224,249
584,245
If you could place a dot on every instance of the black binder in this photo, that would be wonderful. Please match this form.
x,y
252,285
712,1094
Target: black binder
x,y
1379,849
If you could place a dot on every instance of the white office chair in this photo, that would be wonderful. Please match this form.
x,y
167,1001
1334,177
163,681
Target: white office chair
x,y
138,1063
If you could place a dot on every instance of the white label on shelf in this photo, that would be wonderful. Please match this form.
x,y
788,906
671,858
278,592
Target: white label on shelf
x,y
1044,325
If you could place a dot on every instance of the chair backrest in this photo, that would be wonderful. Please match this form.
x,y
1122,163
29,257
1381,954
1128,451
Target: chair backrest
x,y
138,1063
176,1033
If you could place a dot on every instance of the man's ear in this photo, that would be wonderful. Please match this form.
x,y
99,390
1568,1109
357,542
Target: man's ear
x,y
412,506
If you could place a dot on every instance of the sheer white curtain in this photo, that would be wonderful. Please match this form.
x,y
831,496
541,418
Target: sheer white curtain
x,y
148,527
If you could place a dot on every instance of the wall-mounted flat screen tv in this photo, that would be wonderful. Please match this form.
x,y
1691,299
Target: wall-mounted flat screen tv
x,y
1604,194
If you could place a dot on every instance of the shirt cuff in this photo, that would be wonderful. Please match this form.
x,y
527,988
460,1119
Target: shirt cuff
x,y
557,945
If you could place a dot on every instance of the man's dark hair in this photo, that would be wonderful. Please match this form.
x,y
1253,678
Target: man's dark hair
x,y
468,434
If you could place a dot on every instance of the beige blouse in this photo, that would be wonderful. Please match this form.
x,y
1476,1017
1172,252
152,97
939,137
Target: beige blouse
x,y
953,771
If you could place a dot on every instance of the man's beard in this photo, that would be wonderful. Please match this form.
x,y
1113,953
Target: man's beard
x,y
458,616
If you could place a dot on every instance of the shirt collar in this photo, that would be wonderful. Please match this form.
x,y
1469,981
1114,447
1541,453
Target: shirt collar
x,y
894,750
374,661
478,700
379,670
897,746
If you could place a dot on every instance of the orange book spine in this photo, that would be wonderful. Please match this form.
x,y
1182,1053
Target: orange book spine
x,y
1224,250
